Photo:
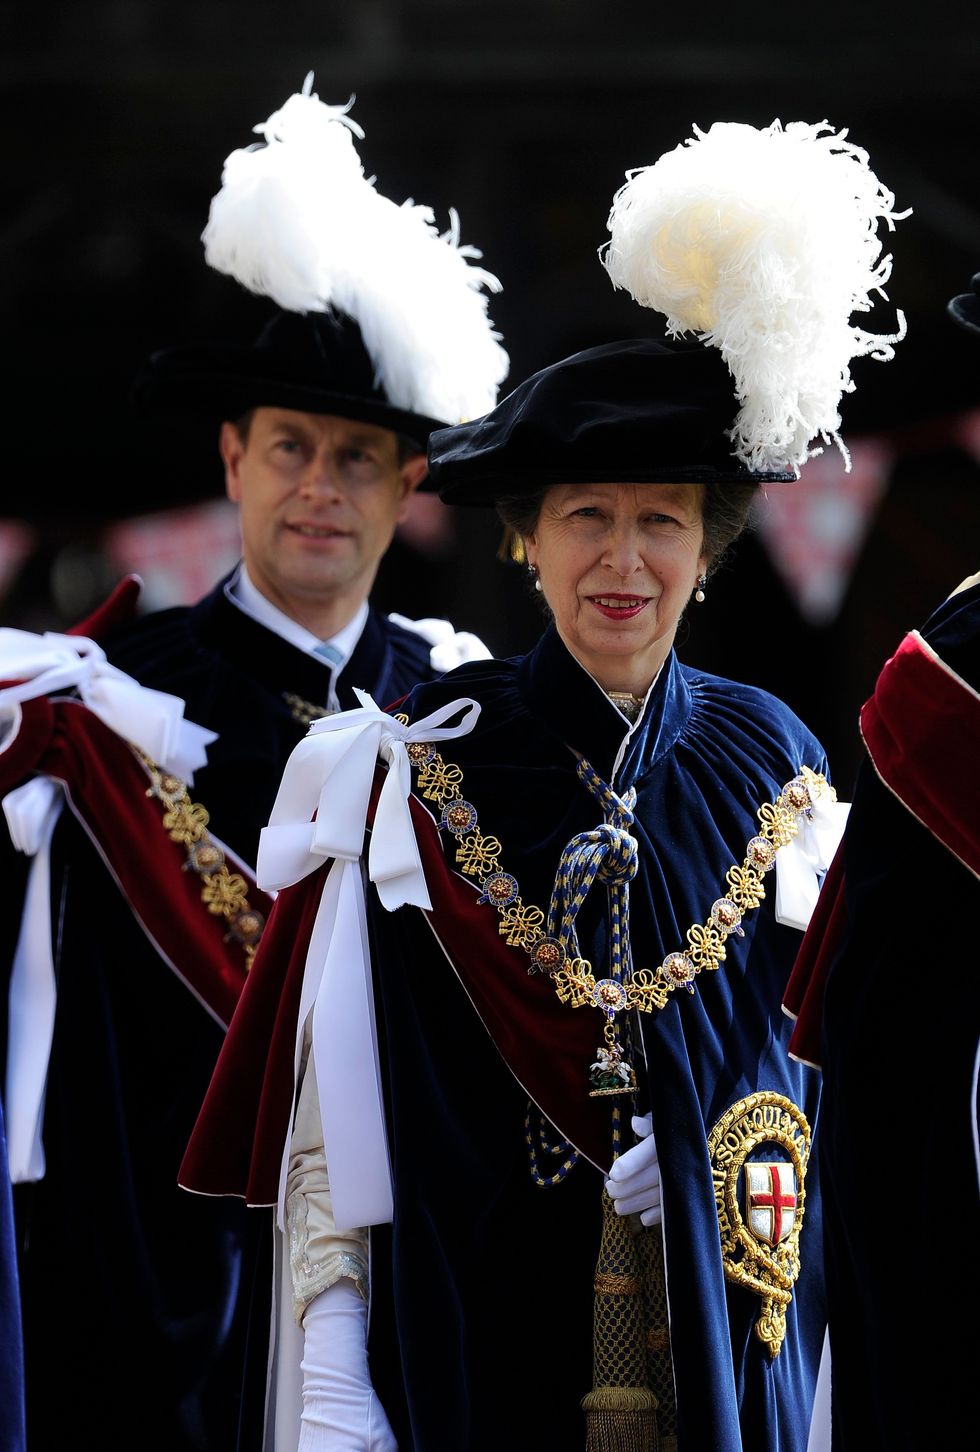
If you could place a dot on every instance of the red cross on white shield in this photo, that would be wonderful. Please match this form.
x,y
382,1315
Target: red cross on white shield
x,y
770,1199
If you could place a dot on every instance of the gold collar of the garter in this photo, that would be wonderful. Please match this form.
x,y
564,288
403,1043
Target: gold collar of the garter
x,y
522,925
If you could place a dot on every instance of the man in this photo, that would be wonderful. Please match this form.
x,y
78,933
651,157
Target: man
x,y
141,1303
322,467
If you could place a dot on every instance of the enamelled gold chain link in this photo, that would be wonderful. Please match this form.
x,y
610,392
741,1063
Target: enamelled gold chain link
x,y
522,925
223,893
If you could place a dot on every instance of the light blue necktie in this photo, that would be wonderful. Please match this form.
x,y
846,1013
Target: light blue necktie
x,y
328,652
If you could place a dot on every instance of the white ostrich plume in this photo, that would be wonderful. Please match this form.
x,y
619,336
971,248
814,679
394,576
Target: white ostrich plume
x,y
763,243
296,220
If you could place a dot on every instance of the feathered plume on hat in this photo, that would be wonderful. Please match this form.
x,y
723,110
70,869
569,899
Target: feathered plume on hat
x,y
763,243
297,221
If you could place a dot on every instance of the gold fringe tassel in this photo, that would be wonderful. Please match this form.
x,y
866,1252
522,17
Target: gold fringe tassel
x,y
610,1431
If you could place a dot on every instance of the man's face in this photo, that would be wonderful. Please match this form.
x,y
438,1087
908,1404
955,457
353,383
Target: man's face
x,y
319,498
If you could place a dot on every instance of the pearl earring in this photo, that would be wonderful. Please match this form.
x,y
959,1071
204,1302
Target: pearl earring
x,y
699,592
534,572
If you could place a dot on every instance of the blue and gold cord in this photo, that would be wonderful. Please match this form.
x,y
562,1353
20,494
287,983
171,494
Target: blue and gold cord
x,y
609,853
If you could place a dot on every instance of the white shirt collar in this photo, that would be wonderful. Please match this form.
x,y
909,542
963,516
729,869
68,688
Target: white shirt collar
x,y
243,592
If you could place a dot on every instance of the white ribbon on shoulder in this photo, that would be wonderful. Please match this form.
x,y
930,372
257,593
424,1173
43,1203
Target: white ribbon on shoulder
x,y
802,862
153,720
331,773
43,665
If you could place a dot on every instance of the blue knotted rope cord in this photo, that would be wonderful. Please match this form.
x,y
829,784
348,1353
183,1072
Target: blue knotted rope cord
x,y
610,854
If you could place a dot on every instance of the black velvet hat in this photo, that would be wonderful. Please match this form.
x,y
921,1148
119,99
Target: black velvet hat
x,y
638,411
313,362
965,309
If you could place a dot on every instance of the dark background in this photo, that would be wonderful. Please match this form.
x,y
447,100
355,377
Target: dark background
x,y
117,116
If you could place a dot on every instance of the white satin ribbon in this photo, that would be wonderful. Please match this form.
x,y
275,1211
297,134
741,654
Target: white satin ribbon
x,y
31,811
800,865
331,773
153,720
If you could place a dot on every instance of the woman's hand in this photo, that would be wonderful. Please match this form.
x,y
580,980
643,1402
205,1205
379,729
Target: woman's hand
x,y
634,1180
341,1411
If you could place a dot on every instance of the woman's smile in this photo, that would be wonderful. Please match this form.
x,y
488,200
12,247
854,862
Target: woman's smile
x,y
619,607
617,564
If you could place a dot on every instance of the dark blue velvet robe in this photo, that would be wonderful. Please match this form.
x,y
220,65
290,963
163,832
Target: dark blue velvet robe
x,y
900,1115
156,1296
492,1276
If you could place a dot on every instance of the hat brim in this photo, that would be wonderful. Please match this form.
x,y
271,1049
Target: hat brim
x,y
635,411
221,382
965,310
514,485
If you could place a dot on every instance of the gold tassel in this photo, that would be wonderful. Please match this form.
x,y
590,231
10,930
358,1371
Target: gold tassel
x,y
610,1429
660,1373
620,1410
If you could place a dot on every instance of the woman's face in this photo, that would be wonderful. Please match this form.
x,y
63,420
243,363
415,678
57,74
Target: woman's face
x,y
617,565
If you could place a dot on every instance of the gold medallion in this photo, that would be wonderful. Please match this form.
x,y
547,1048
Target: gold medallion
x,y
759,1150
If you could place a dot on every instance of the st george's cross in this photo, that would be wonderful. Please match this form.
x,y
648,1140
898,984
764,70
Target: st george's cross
x,y
770,1199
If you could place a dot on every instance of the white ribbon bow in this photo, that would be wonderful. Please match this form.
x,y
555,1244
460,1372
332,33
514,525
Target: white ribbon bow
x,y
801,863
331,773
152,720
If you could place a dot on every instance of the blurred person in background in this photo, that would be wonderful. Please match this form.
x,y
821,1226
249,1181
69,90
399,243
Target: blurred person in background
x,y
886,989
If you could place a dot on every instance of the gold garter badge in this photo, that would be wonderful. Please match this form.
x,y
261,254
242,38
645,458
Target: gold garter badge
x,y
760,1201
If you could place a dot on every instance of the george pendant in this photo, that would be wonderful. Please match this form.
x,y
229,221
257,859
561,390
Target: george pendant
x,y
611,1073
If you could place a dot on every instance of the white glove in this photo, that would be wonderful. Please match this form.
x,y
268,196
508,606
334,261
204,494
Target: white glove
x,y
341,1412
634,1180
450,647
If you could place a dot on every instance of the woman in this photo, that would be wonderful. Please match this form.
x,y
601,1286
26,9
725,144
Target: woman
x,y
599,738
571,939
617,564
